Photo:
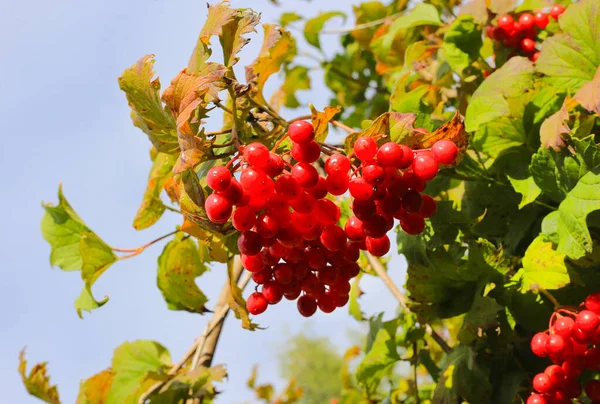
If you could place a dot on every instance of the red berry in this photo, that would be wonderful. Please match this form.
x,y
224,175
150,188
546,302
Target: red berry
x,y
273,166
541,20
333,238
341,300
266,226
235,193
592,389
556,11
291,292
375,227
283,273
218,178
254,180
556,345
573,367
301,132
378,247
563,326
526,21
412,201
243,218
538,344
429,206
287,187
572,389
337,184
587,321
580,336
557,376
327,302
591,359
412,224
253,263
535,56
306,152
444,151
536,399
365,148
360,189
256,303
304,223
425,167
592,302
218,209
527,45
364,210
304,203
388,205
249,243
256,154
373,173
390,155
273,292
407,157
354,229
506,22
326,212
337,164
542,383
262,277
307,306
305,174
319,190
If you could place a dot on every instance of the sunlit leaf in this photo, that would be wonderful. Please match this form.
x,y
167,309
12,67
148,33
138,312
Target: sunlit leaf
x,y
95,389
37,382
543,267
553,129
296,79
462,43
232,35
392,126
353,305
190,384
288,18
526,187
147,110
320,121
236,301
589,95
194,150
313,27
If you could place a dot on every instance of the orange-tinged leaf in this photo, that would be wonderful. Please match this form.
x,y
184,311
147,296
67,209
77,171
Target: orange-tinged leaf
x,y
194,150
320,121
278,48
232,36
192,228
453,130
37,382
95,389
554,127
236,300
589,95
389,126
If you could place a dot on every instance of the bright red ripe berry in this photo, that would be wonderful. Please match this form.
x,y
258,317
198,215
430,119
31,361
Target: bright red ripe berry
x,y
327,302
256,303
253,263
527,45
249,242
556,374
351,252
429,206
580,336
304,203
389,155
375,227
283,273
407,157
364,210
218,209
592,389
333,238
536,399
291,292
587,321
305,175
306,152
287,187
535,56
573,367
304,223
365,148
412,224
218,178
556,11
425,167
243,218
360,189
591,359
538,344
273,292
412,201
235,194
506,22
354,229
541,20
301,132
341,300
337,184
592,302
337,164
266,226
542,383
273,166
526,21
256,154
556,345
326,212
261,277
412,181
253,180
373,173
444,151
307,306
378,246
319,191
563,326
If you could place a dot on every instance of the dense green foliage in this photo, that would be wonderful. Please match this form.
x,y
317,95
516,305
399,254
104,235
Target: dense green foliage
x,y
517,229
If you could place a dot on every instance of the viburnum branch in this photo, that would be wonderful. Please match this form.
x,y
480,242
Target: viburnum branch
x,y
172,210
217,146
265,108
218,132
331,147
139,249
358,27
402,299
278,143
549,296
224,108
415,363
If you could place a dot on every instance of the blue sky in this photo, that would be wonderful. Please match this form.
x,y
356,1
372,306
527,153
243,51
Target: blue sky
x,y
64,118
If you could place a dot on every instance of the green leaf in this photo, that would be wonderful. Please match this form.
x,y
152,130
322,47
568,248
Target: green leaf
x,y
499,135
589,95
481,315
380,359
574,238
538,109
394,126
462,43
232,34
463,376
571,58
315,25
296,79
529,5
278,47
147,110
353,305
152,206
131,363
528,188
501,6
543,267
236,300
76,247
178,267
95,389
487,260
553,129
37,383
190,384
288,18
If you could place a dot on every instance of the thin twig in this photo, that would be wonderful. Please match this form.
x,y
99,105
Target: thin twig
x,y
217,146
344,127
402,299
217,133
415,368
143,247
173,209
224,108
369,24
269,111
549,296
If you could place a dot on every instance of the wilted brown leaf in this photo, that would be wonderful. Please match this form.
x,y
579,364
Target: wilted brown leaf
x,y
453,130
38,382
320,121
554,127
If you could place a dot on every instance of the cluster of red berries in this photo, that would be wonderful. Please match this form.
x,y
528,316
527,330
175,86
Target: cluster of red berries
x,y
521,34
291,238
573,344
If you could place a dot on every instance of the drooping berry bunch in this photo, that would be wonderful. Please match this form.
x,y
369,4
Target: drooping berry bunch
x,y
573,344
522,33
291,238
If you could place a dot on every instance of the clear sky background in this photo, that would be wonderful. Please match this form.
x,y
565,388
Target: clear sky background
x,y
63,118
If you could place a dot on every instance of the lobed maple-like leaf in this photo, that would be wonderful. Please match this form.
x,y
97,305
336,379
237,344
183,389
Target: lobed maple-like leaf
x,y
589,95
37,382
